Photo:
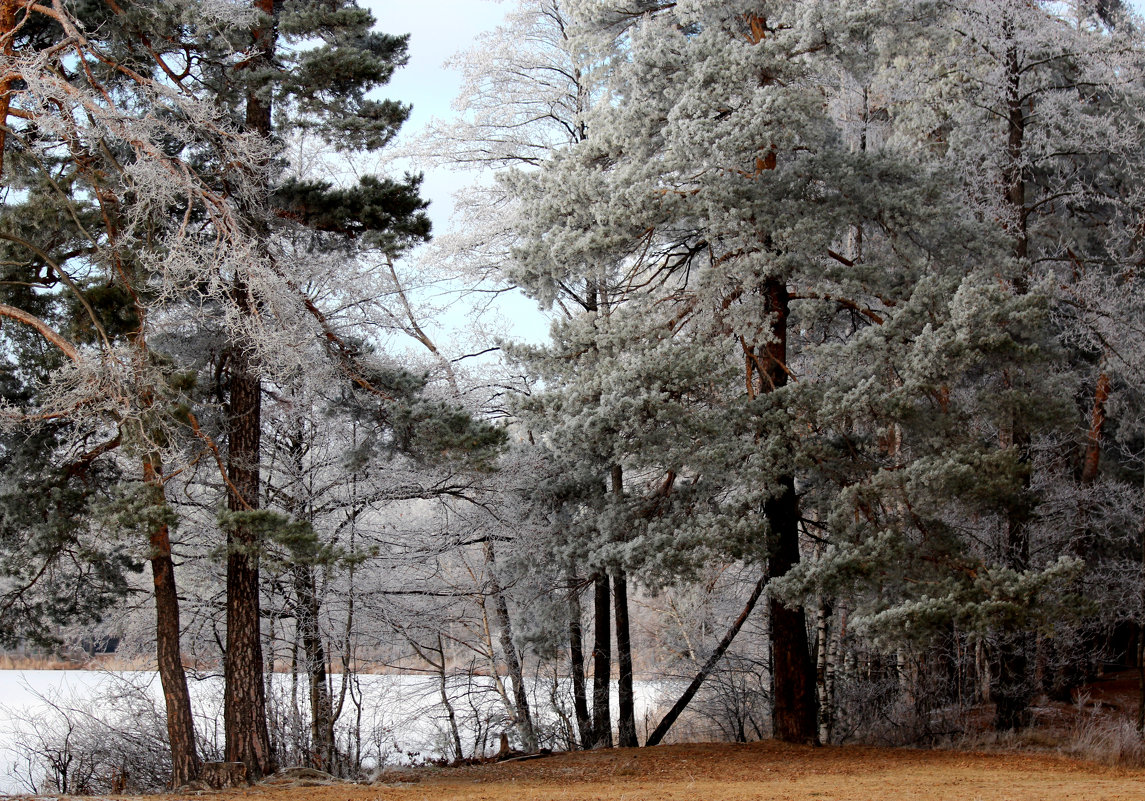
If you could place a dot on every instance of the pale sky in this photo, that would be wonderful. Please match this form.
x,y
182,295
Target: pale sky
x,y
438,30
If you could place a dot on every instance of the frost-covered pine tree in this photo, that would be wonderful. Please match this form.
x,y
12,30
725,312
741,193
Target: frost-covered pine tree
x,y
722,195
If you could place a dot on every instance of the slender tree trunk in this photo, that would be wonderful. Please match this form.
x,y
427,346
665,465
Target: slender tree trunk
x,y
823,670
1096,430
1141,641
627,702
689,693
314,652
7,28
523,718
185,762
454,732
576,663
307,609
626,723
601,664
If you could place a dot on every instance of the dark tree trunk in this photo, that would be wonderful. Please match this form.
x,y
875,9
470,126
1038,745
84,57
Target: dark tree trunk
x,y
314,652
601,664
626,723
185,764
627,704
244,705
793,671
307,609
1013,689
669,719
524,718
576,663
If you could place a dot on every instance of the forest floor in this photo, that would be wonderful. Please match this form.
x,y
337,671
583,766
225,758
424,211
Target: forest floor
x,y
725,772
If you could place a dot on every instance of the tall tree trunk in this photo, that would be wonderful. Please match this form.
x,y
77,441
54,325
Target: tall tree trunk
x,y
185,762
1141,639
793,672
7,29
626,723
307,609
314,652
627,703
244,705
1013,690
576,662
689,693
443,690
523,717
601,664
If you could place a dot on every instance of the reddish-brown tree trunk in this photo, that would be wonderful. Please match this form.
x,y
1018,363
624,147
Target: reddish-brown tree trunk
x,y
244,705
1096,429
185,762
7,27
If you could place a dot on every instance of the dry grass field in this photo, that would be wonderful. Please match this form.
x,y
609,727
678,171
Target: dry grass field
x,y
709,772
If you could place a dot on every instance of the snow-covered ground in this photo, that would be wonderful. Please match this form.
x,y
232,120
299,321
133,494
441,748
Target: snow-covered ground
x,y
398,718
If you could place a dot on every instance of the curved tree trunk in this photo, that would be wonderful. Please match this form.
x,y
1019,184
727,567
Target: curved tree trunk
x,y
185,763
523,717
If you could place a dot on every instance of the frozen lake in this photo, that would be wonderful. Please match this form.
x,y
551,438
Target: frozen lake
x,y
390,718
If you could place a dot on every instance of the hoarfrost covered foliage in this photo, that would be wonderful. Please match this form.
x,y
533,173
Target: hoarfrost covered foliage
x,y
846,302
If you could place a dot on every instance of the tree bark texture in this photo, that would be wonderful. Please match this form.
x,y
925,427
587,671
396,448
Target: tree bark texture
x,y
824,670
314,653
7,27
185,763
793,672
601,664
576,663
523,717
1012,689
244,706
626,725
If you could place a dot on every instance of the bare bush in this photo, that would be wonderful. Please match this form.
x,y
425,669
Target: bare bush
x,y
114,742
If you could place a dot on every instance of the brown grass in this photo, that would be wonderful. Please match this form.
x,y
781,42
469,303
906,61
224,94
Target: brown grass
x,y
54,662
758,772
